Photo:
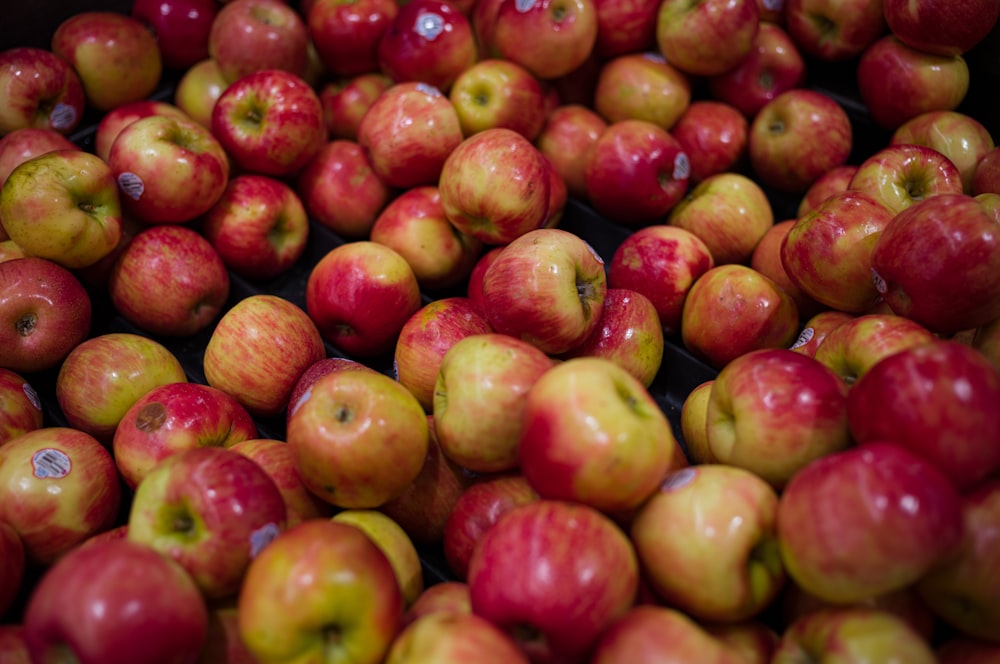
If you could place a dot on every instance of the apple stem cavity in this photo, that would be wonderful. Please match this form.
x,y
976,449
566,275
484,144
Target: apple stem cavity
x,y
585,291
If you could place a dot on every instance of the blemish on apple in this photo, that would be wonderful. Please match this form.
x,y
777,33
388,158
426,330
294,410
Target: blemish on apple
x,y
151,417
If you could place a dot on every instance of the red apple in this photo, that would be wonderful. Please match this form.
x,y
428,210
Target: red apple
x,y
21,145
498,93
346,100
112,122
346,34
714,136
832,182
817,328
959,137
625,27
20,406
766,259
708,37
642,86
549,38
565,138
943,28
901,174
445,597
40,90
833,30
12,644
853,348
248,36
182,28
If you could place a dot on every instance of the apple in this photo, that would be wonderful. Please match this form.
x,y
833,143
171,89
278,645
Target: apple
x,y
112,122
346,34
443,638
63,206
20,407
625,27
182,28
450,597
797,137
959,137
635,172
104,375
12,569
866,521
314,372
320,590
259,350
58,486
172,418
568,132
897,82
985,178
115,602
642,86
693,421
41,91
941,27
833,30
901,174
987,341
46,312
395,543
754,639
709,37
498,93
223,644
854,347
945,417
248,36
346,99
474,287
21,145
12,644
549,38
817,328
832,182
714,135
733,309
766,259
169,280
197,90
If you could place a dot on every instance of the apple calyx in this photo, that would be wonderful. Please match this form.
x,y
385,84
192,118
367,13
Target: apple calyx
x,y
178,520
26,324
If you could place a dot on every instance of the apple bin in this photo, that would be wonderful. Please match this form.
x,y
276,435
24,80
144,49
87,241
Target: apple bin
x,y
723,384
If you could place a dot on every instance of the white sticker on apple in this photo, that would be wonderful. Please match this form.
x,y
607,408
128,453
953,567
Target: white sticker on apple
x,y
50,463
62,117
682,166
429,25
805,336
678,479
524,5
262,537
131,185
654,56
880,284
301,400
32,395
429,90
773,5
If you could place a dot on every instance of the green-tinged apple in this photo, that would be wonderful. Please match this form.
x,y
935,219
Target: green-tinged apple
x,y
854,347
58,486
64,206
568,132
21,145
766,259
498,93
395,543
346,100
359,438
323,592
832,182
115,602
176,417
817,328
709,37
642,86
197,90
248,36
693,424
833,31
12,568
960,137
560,34
20,406
452,638
112,122
714,135
902,174
474,287
40,89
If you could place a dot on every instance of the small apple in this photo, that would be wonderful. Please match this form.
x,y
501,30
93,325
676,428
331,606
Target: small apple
x,y
443,638
625,27
817,328
832,182
694,424
854,347
112,122
941,28
766,259
21,145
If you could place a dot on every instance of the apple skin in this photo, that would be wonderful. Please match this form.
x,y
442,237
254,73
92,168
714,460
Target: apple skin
x,y
706,38
766,259
151,610
851,349
945,416
625,27
867,521
12,569
185,303
104,375
12,644
395,543
714,135
450,597
172,418
942,28
985,179
832,182
693,424
498,93
443,638
833,30
346,34
642,86
987,341
563,34
936,263
114,54
568,132
20,406
21,145
959,137
314,372
182,28
320,574
223,644
46,313
755,640
544,557
59,486
248,36
902,174
41,91
965,650
817,328
346,100
112,122
197,90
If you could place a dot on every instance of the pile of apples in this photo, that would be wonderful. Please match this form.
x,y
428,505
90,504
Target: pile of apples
x,y
336,332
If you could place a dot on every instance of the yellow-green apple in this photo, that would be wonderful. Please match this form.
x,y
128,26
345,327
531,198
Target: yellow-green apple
x,y
58,486
985,179
987,341
340,189
479,396
561,34
714,136
961,138
635,172
450,638
774,65
408,134
853,348
965,650
248,36
547,287
729,212
642,86
173,418
945,416
816,329
591,433
12,644
20,406
276,459
395,543
9,250
936,263
21,145
662,262
46,312
346,100
832,182
181,27
415,226
258,351
346,34
865,521
197,90
40,90
430,41
360,294
568,132
495,186
425,338
827,252
833,31
223,644
625,27
707,542
944,28
897,82
766,259
169,170
115,602
476,510
317,370
553,575
359,438
210,509
451,597
64,206
628,333
660,635
104,375
12,568
169,280
754,639
797,137
706,38
733,309
498,93
321,591
119,117
853,634
773,411
902,174
115,56
693,423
